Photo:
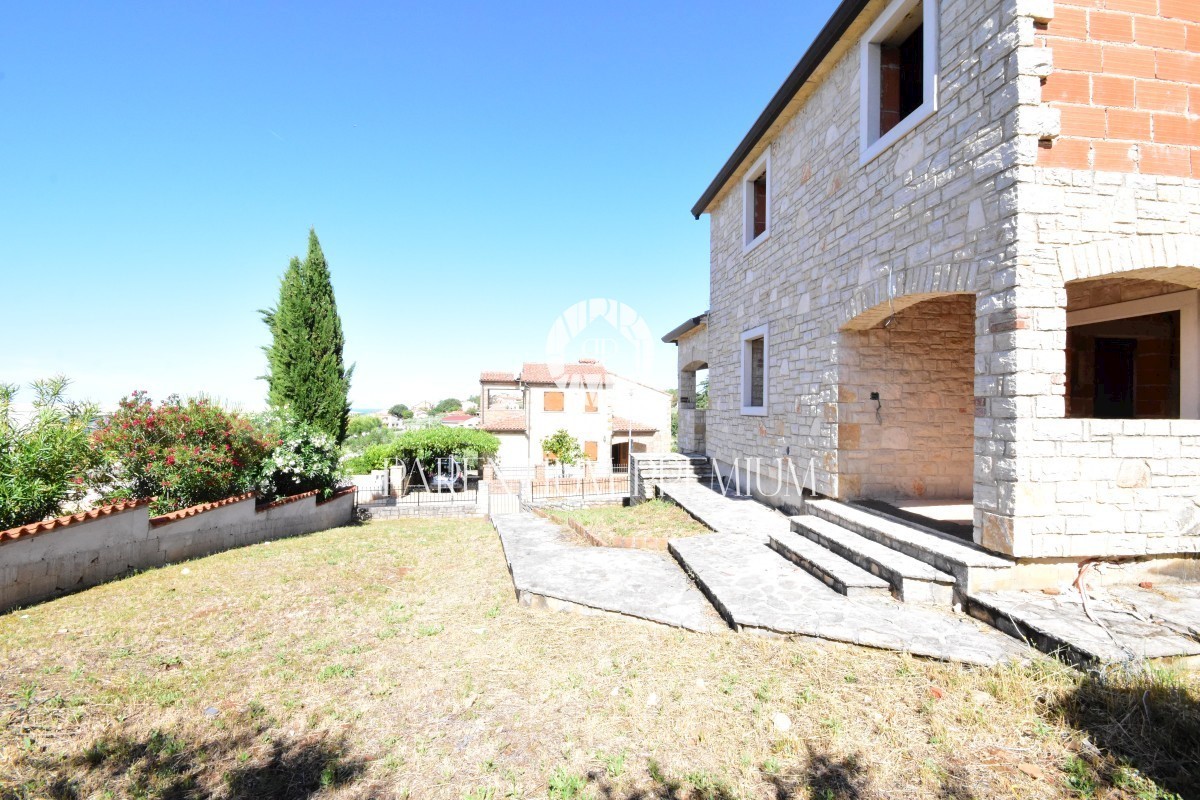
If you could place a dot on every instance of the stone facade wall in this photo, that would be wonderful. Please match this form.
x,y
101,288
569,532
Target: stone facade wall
x,y
1089,487
970,201
88,552
848,242
917,440
1126,83
1124,209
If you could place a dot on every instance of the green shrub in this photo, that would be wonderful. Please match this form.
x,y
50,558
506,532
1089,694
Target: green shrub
x,y
362,423
44,458
425,445
182,452
305,459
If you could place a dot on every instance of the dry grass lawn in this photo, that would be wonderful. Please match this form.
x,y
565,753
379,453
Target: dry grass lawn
x,y
654,518
390,660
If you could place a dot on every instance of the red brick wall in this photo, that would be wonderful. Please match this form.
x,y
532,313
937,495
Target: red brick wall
x,y
1127,81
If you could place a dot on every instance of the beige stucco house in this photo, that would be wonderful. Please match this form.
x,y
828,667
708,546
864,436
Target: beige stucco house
x,y
606,412
956,259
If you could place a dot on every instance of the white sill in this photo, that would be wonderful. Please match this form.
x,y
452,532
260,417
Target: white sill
x,y
762,237
919,115
754,411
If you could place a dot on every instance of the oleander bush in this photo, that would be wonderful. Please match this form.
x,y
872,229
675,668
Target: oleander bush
x,y
304,458
179,452
45,454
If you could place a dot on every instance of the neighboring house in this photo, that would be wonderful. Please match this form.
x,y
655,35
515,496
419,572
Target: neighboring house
x,y
604,411
460,420
390,421
957,257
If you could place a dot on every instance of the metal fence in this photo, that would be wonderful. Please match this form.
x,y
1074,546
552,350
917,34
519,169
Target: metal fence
x,y
436,482
613,483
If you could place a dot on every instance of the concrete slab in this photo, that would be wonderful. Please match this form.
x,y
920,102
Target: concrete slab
x,y
636,583
756,590
727,513
1134,624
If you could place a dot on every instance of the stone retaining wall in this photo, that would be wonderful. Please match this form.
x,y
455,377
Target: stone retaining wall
x,y
49,559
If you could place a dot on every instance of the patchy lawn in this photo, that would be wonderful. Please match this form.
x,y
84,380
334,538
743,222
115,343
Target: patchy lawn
x,y
390,660
657,519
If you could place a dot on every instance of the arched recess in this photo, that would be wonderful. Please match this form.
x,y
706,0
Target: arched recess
x,y
690,377
906,386
693,403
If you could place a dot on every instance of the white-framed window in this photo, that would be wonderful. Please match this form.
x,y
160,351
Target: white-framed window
x,y
756,193
754,371
898,74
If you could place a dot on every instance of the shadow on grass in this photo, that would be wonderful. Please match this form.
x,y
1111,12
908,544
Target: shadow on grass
x,y
161,766
823,777
1146,725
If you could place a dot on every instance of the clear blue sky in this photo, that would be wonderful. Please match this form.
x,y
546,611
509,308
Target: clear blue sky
x,y
472,170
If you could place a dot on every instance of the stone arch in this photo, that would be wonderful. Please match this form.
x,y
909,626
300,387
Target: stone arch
x,y
876,300
1152,257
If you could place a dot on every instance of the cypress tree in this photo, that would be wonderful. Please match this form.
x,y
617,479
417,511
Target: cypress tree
x,y
304,360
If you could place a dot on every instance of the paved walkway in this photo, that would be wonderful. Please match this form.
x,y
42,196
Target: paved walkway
x,y
636,583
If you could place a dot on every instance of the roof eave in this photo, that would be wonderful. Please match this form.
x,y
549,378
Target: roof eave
x,y
843,17
690,325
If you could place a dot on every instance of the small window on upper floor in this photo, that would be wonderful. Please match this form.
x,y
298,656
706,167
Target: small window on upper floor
x,y
591,402
552,401
754,371
898,74
757,194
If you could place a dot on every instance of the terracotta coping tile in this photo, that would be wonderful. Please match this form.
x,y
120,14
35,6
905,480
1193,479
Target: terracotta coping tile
x,y
191,511
44,526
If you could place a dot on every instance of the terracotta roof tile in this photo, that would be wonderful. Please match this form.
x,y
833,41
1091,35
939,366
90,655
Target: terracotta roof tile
x,y
590,373
502,421
622,424
191,511
497,377
71,519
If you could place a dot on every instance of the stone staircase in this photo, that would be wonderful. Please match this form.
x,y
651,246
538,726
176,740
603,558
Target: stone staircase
x,y
865,534
768,573
652,470
853,551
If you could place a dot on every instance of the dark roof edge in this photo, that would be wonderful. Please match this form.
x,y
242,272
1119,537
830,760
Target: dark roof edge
x,y
677,333
838,24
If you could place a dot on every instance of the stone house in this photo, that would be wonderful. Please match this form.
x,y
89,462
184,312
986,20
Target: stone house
x,y
606,412
955,263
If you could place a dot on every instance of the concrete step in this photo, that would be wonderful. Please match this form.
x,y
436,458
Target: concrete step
x,y
756,591
826,566
911,580
972,567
